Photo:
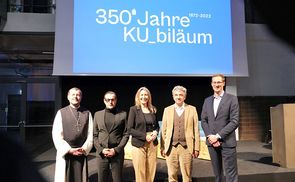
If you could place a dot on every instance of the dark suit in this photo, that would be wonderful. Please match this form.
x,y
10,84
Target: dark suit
x,y
116,137
224,123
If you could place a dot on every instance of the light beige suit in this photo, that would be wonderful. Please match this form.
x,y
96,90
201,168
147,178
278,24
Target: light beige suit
x,y
190,124
192,140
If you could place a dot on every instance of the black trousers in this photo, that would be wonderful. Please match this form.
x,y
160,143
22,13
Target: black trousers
x,y
74,168
224,159
110,169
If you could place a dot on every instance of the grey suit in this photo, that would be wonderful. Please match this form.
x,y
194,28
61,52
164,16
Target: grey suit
x,y
224,123
116,137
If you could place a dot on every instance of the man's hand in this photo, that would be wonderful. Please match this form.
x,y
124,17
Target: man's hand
x,y
108,152
212,139
217,144
82,151
105,151
163,154
195,154
77,151
111,153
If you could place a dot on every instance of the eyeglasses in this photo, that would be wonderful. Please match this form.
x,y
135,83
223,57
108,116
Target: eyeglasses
x,y
108,100
217,83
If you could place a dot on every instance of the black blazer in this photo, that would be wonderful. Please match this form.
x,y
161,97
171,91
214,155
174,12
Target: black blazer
x,y
137,126
116,138
226,120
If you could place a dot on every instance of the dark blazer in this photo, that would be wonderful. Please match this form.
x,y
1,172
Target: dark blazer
x,y
116,138
226,120
137,126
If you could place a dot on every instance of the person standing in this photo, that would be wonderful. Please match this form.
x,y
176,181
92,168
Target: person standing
x,y
143,127
110,137
180,139
220,118
72,134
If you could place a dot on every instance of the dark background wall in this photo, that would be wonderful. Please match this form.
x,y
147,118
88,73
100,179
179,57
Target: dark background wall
x,y
254,110
93,89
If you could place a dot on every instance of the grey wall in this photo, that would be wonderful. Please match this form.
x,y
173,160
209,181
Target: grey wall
x,y
29,22
271,65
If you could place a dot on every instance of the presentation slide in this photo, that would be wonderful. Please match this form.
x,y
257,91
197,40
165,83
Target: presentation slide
x,y
148,38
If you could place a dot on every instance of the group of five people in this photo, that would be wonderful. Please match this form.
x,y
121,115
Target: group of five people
x,y
74,132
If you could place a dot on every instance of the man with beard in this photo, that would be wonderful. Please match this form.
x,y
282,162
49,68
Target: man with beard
x,y
72,134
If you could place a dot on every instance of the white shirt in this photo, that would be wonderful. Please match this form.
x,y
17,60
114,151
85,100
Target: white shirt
x,y
216,102
179,109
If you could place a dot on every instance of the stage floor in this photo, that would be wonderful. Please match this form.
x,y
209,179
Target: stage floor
x,y
254,165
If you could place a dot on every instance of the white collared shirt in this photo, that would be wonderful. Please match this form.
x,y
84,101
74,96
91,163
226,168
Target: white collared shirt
x,y
216,102
179,109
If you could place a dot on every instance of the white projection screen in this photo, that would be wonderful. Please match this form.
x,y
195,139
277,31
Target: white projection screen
x,y
150,38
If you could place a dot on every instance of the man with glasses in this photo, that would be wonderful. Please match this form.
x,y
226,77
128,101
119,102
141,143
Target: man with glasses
x,y
110,137
220,118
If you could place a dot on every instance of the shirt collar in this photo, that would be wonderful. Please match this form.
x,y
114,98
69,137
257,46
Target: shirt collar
x,y
176,106
73,107
219,96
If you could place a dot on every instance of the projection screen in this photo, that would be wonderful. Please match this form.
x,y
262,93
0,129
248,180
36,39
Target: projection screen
x,y
150,38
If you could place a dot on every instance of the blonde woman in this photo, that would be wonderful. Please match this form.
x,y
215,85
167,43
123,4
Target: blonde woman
x,y
143,127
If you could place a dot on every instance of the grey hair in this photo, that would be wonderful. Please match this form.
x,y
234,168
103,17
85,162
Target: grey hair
x,y
179,88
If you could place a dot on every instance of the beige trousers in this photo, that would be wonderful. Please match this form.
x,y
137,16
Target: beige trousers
x,y
179,156
144,161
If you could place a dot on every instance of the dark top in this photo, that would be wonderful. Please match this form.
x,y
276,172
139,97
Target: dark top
x,y
109,118
75,130
137,126
115,136
149,122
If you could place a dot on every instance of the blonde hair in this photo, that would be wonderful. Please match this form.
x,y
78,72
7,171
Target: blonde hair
x,y
149,103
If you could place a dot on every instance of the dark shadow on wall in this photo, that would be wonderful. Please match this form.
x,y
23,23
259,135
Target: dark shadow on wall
x,y
279,16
